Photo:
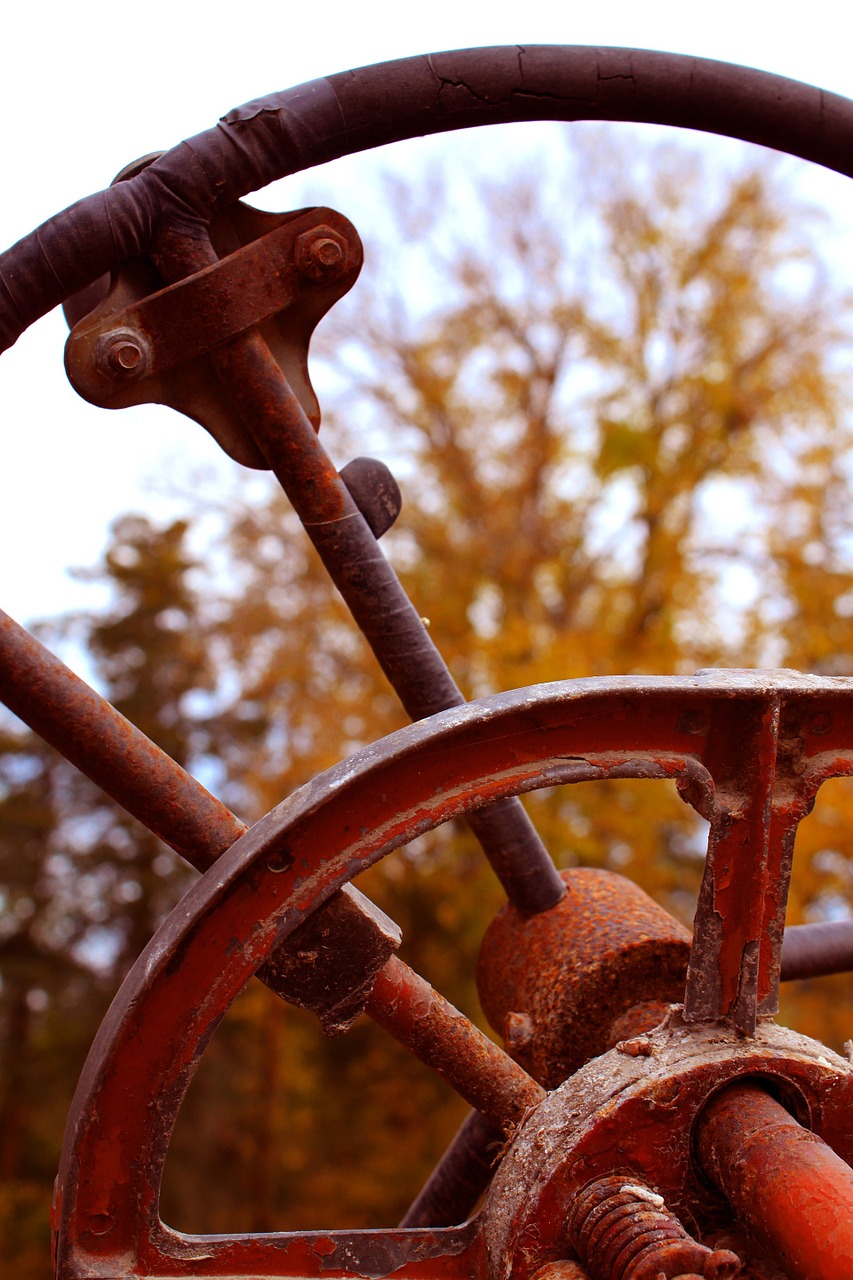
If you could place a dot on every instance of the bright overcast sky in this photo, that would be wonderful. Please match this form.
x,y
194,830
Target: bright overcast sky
x,y
87,87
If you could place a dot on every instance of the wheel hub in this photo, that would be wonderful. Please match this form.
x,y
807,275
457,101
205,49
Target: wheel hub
x,y
632,1113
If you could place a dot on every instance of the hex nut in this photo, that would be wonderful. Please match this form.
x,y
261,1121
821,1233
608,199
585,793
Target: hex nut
x,y
122,355
321,254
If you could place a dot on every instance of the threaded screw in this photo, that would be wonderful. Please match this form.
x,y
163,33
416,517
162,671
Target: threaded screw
x,y
624,1231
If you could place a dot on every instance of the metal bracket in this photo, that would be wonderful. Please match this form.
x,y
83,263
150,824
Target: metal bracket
x,y
147,344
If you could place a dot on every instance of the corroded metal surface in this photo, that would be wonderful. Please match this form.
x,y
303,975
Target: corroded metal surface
x,y
406,1006
287,865
624,1231
781,1179
330,963
107,748
310,124
632,1112
145,343
555,985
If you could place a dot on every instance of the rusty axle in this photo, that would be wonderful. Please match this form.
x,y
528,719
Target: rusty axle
x,y
784,1182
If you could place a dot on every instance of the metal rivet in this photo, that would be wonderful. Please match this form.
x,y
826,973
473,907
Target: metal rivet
x,y
279,862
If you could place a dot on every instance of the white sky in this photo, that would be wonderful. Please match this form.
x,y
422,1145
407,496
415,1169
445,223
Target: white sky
x,y
88,87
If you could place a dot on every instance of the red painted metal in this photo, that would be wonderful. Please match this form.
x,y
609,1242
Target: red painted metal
x,y
286,866
782,1180
632,1114
605,1165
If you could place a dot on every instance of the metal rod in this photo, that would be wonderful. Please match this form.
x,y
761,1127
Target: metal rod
x,y
107,748
815,950
784,1182
148,783
373,593
410,1010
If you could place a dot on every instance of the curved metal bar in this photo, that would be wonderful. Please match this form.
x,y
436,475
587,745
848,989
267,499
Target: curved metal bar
x,y
293,860
355,110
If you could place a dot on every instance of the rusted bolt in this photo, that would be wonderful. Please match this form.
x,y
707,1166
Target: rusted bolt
x,y
122,354
624,1231
321,254
125,357
327,253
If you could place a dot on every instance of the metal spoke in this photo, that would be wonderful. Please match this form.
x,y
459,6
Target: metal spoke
x,y
406,1006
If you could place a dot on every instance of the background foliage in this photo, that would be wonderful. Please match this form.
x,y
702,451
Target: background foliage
x,y
618,406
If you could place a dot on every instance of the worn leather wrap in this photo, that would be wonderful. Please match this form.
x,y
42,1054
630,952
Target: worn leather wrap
x,y
356,110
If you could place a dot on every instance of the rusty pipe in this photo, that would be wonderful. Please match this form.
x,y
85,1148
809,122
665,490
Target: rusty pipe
x,y
784,1182
43,692
408,1008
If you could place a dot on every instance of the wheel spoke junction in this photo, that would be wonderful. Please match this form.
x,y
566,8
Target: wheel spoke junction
x,y
275,877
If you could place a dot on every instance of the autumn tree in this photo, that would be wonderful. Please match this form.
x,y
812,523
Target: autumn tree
x,y
82,885
599,415
617,408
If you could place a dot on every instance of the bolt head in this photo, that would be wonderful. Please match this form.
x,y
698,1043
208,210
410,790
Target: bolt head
x,y
321,254
122,355
326,252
